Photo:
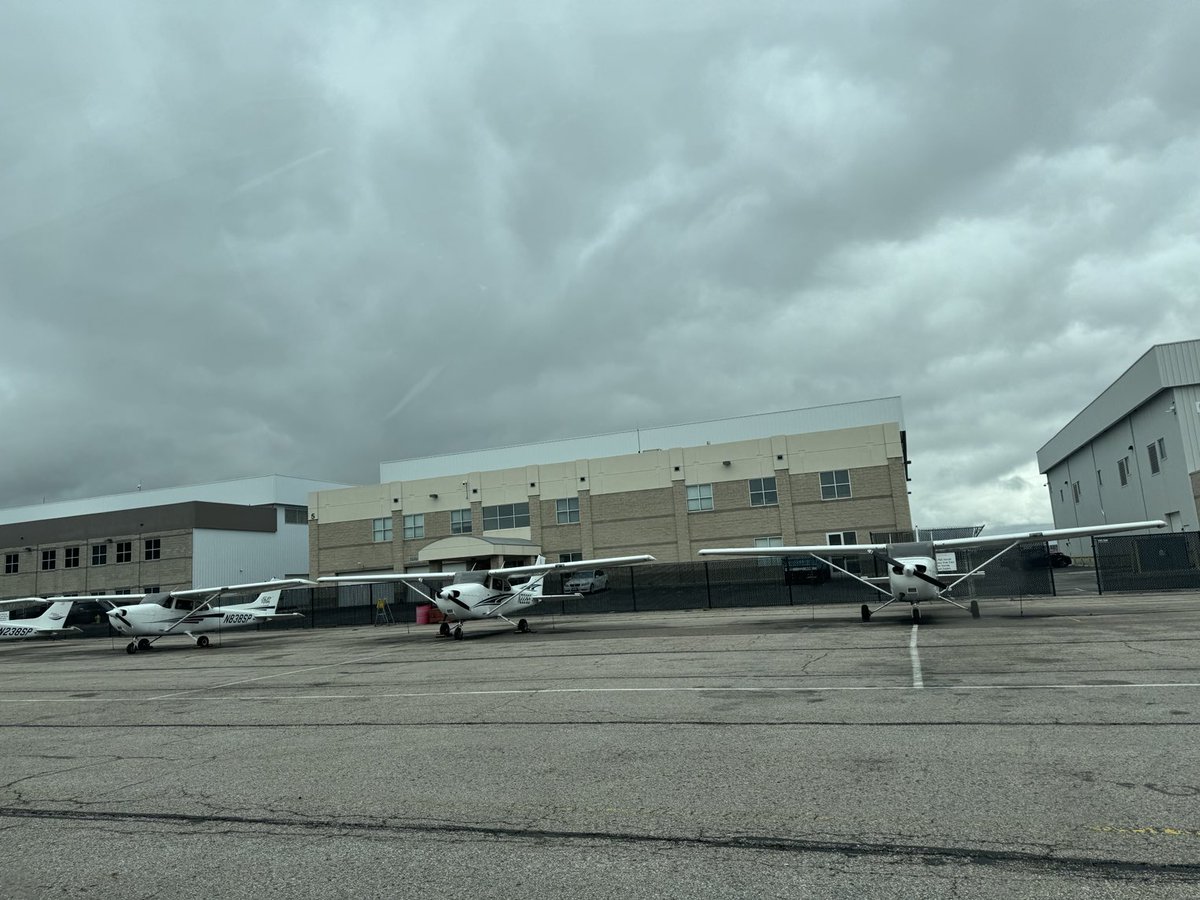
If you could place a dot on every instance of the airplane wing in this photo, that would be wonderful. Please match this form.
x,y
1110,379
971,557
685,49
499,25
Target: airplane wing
x,y
1053,534
381,577
21,602
814,549
254,587
947,544
412,579
573,566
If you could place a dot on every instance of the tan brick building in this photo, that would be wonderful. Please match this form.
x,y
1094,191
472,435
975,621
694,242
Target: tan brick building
x,y
831,474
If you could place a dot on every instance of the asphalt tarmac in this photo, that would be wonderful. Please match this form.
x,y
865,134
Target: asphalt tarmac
x,y
1049,749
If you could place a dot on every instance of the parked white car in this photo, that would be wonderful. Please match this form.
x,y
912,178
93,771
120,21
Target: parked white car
x,y
587,581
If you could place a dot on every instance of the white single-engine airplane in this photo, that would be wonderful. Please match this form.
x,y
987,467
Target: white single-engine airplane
x,y
488,593
53,621
191,612
912,567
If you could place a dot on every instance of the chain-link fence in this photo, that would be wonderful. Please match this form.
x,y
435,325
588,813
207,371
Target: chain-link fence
x,y
1135,564
1130,563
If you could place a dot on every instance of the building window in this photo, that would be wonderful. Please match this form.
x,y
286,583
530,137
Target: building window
x,y
835,485
1123,470
49,560
151,548
414,526
1162,449
99,554
574,556
460,521
567,510
1152,453
506,515
124,551
295,515
774,541
699,497
762,492
381,530
70,557
839,539
11,564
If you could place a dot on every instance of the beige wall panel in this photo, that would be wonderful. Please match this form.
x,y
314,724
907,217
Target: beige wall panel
x,y
370,501
633,472
558,481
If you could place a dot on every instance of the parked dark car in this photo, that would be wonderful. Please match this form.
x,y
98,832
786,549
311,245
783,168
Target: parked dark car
x,y
804,570
1035,558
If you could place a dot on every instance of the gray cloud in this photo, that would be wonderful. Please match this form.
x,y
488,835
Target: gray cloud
x,y
304,238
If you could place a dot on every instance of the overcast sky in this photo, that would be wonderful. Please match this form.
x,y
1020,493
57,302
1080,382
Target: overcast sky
x,y
300,238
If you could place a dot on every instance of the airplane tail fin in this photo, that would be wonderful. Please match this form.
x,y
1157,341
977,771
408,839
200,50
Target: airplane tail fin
x,y
54,618
535,589
268,601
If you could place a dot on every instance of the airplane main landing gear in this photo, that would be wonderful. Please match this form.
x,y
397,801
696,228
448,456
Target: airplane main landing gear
x,y
202,641
143,644
131,647
866,613
444,629
523,626
458,632
974,609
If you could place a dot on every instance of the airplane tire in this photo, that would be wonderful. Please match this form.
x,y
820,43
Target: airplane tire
x,y
523,626
916,614
974,609
444,629
458,633
131,647
866,613
202,641
143,644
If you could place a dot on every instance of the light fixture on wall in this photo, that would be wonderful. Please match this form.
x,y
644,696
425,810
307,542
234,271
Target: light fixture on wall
x,y
726,463
433,496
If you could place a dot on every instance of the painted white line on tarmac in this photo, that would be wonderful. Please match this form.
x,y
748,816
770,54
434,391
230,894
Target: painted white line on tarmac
x,y
918,682
440,695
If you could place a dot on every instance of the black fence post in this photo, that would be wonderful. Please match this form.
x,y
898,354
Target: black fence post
x,y
707,585
632,592
1096,566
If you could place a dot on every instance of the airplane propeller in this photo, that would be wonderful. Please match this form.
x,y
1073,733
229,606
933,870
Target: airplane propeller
x,y
910,569
452,596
